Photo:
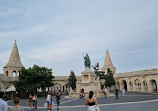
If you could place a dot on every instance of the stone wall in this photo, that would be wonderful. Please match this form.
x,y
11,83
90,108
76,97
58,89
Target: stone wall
x,y
139,81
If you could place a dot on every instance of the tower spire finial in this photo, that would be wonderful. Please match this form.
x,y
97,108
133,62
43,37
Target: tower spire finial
x,y
108,63
14,60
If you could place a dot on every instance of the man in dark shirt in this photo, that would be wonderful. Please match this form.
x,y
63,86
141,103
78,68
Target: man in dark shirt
x,y
58,97
116,93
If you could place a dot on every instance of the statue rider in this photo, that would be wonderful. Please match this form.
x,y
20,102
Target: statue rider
x,y
87,62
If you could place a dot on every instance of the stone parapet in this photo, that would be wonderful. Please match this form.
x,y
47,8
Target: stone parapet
x,y
12,79
137,73
8,79
4,79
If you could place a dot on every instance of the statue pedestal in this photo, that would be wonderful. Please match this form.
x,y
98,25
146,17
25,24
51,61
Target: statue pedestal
x,y
89,82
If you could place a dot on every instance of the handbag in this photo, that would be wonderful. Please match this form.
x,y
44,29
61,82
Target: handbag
x,y
97,108
53,104
45,104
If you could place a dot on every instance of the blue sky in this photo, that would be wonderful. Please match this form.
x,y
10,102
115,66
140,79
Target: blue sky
x,y
56,33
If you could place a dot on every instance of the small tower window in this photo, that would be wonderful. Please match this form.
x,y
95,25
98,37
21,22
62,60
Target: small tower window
x,y
14,73
6,73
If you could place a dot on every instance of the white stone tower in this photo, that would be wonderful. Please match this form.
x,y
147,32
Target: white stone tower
x,y
108,64
14,65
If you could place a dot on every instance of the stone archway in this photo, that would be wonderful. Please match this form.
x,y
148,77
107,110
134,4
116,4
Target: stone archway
x,y
57,86
124,84
153,84
137,84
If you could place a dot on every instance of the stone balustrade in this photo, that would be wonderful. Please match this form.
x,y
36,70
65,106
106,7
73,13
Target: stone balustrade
x,y
137,73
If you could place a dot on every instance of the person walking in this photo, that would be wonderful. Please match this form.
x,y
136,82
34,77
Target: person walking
x,y
105,91
58,98
35,101
17,107
116,93
57,91
3,104
30,101
82,92
91,102
123,92
49,101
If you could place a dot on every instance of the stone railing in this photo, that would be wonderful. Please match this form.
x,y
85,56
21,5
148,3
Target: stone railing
x,y
137,73
61,78
12,79
4,79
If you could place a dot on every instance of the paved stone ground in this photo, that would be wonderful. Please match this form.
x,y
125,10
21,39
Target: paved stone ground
x,y
131,102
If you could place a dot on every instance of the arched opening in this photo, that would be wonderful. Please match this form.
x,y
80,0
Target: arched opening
x,y
63,88
6,73
131,85
124,84
57,87
153,85
145,86
14,73
137,85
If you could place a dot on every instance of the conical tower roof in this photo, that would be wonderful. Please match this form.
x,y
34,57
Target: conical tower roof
x,y
14,60
108,62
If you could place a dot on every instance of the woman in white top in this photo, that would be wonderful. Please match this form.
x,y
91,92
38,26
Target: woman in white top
x,y
49,101
91,102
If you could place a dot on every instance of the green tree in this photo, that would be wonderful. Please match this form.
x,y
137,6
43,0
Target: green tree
x,y
72,80
32,78
109,79
99,73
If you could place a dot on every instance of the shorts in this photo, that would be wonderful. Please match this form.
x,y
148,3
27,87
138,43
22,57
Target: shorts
x,y
49,102
34,101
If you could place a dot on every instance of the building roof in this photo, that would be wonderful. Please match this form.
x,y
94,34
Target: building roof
x,y
12,88
14,60
108,62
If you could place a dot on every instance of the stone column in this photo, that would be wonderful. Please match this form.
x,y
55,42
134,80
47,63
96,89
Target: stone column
x,y
16,74
134,87
149,86
128,86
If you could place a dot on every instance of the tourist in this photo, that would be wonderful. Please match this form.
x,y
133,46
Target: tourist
x,y
91,102
57,91
30,101
35,101
49,101
123,92
105,91
116,93
82,92
58,98
17,107
3,104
